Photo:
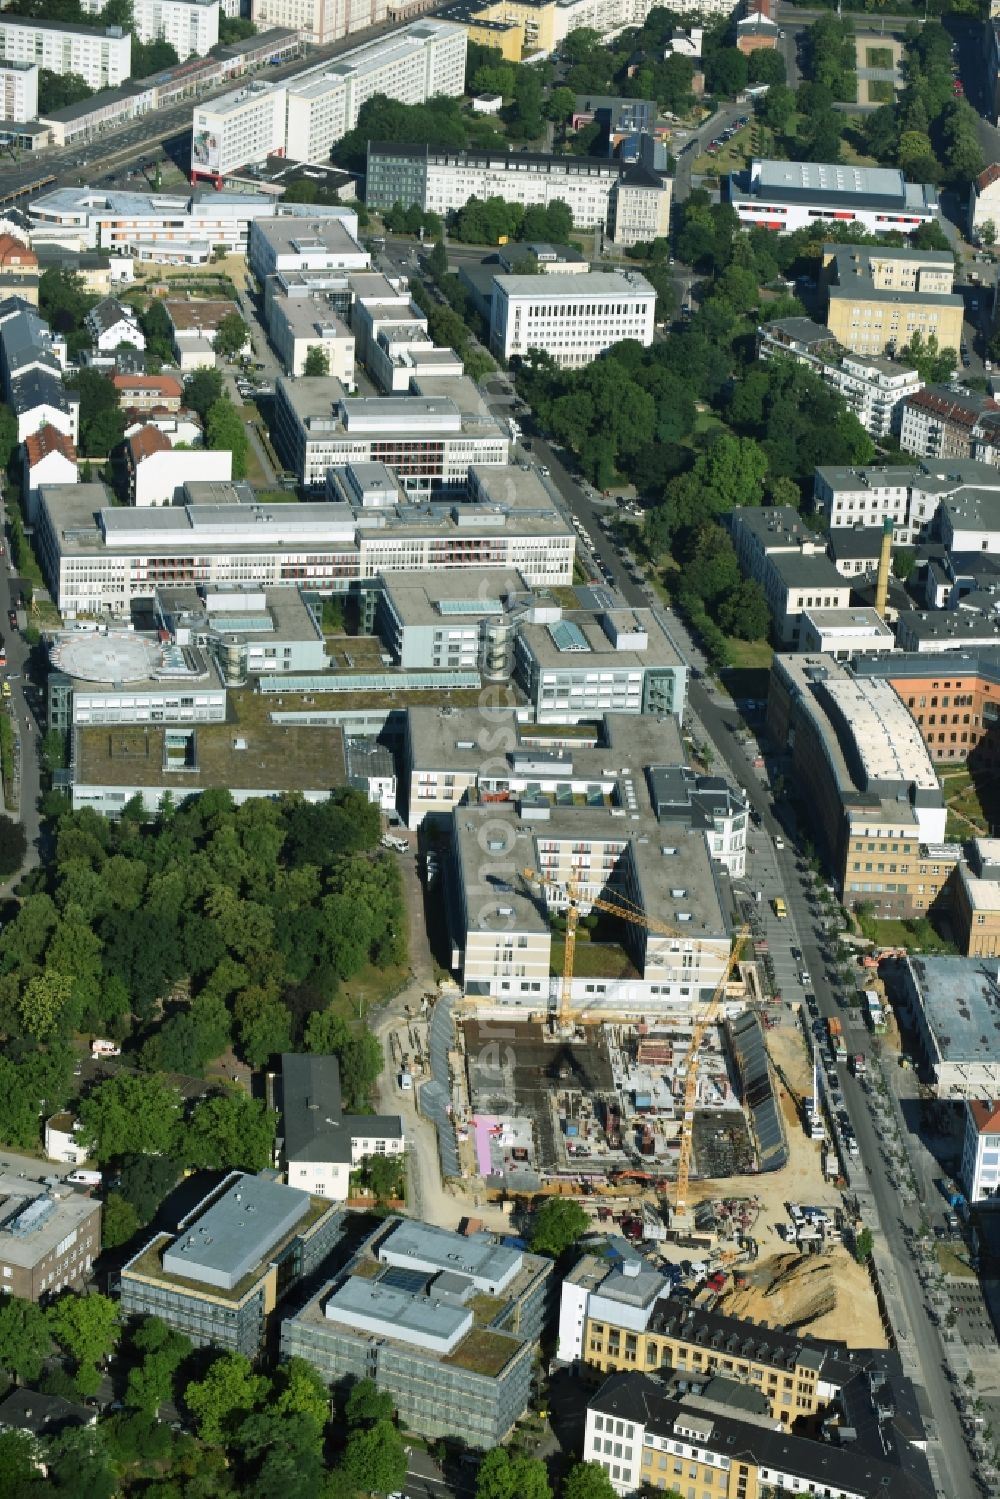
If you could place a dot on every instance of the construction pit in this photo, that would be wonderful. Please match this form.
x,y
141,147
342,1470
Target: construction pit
x,y
575,1114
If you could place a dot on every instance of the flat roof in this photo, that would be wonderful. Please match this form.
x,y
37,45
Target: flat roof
x,y
401,1314
416,598
587,630
859,621
33,1221
960,1000
285,234
226,1241
490,1265
829,179
885,735
249,752
576,284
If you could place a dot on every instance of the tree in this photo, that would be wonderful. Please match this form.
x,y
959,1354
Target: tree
x,y
374,1460
437,261
202,390
503,1475
231,336
25,1339
300,1391
13,843
43,1003
556,1225
863,1245
21,1473
146,1180
230,1131
130,1115
587,1481
86,1326
560,105
366,1404
224,430
120,1221
933,365
745,612
8,436
726,72
383,1173
102,421
229,1392
317,361
764,66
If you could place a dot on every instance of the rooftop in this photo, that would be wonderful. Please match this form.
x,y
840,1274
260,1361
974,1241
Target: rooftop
x,y
986,1116
248,753
887,740
46,440
297,236
33,1220
578,284
960,1000
314,1125
198,314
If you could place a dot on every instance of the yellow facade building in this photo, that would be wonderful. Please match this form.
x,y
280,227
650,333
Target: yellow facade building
x,y
877,299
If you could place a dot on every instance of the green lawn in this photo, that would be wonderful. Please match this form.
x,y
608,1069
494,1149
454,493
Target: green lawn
x,y
880,91
750,655
952,1264
878,57
973,802
369,988
917,937
595,960
731,157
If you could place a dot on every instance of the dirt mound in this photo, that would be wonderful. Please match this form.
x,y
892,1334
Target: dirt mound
x,y
828,1295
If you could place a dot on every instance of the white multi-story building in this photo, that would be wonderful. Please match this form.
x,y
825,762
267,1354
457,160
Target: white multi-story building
x,y
630,203
298,325
318,1148
19,91
588,663
305,115
242,127
103,59
875,389
776,549
324,244
430,441
190,26
574,319
981,1151
320,22
99,559
910,496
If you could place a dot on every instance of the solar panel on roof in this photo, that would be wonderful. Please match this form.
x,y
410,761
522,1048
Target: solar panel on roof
x,y
401,1278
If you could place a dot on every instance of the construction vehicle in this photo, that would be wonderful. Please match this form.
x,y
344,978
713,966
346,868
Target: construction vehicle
x,y
836,1033
628,912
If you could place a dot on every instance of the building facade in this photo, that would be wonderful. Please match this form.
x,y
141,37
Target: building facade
x,y
103,59
878,299
190,26
237,1254
19,90
50,1237
319,1145
784,196
980,1169
572,318
629,203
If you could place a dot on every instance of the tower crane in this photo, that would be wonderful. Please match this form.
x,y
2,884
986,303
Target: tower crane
x,y
628,911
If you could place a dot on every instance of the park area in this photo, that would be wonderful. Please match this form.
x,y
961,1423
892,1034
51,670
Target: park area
x,y
878,67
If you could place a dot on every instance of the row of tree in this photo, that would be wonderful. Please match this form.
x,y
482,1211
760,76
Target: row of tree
x,y
929,131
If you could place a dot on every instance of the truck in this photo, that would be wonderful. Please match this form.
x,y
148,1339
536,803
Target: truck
x,y
100,1047
836,1033
859,1064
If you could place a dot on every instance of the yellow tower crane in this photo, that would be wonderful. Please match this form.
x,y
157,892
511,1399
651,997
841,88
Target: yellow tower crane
x,y
630,912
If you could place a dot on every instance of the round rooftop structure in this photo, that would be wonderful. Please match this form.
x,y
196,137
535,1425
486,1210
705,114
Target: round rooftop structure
x,y
112,656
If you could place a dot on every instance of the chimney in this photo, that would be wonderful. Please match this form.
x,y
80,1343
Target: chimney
x,y
882,585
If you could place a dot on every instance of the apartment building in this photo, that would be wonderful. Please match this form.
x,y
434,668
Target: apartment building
x,y
430,441
524,28
306,114
446,1323
148,392
942,423
190,26
318,1145
572,318
877,299
980,1169
157,472
775,548
238,129
984,201
39,398
320,22
910,495
716,1438
49,457
19,90
103,59
868,778
873,388
110,325
220,1277
845,633
50,1235
417,63
624,200
787,195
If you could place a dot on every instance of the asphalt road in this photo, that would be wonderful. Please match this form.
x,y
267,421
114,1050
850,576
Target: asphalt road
x,y
27,711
